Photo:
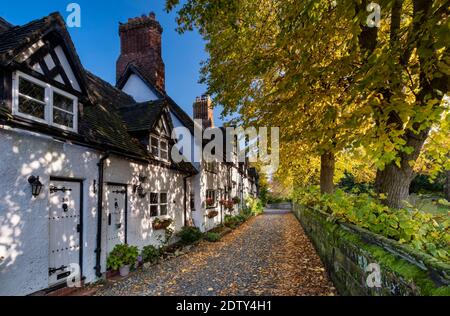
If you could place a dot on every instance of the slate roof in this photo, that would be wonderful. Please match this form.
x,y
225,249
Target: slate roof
x,y
4,25
187,121
16,38
101,121
142,116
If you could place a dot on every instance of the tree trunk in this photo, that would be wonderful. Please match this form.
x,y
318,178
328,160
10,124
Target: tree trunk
x,y
394,182
327,165
447,186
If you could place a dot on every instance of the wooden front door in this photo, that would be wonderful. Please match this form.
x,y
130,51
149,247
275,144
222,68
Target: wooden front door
x,y
65,229
116,216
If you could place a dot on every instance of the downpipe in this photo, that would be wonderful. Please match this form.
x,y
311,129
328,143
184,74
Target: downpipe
x,y
101,165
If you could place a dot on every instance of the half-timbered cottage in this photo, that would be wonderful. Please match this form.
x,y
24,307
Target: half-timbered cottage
x,y
86,165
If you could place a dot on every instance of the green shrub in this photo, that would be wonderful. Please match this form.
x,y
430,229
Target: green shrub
x,y
151,254
212,237
410,226
348,184
122,255
231,221
189,235
234,221
254,206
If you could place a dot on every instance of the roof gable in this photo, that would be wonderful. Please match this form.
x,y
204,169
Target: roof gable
x,y
45,47
144,116
4,25
133,70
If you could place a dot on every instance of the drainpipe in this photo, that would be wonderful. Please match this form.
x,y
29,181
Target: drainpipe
x,y
101,165
185,198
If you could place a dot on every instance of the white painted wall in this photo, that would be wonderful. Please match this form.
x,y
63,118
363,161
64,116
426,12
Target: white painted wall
x,y
24,230
67,69
138,89
24,226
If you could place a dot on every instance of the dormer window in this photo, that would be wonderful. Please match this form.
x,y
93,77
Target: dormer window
x,y
38,101
159,147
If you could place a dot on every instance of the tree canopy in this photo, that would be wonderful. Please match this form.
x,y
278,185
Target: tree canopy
x,y
335,86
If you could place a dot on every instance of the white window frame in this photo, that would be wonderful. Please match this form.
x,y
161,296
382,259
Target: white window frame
x,y
159,204
48,109
214,198
160,140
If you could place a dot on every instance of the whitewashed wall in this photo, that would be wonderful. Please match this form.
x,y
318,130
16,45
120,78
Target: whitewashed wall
x,y
24,228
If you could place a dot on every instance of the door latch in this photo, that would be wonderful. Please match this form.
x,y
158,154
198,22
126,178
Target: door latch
x,y
52,271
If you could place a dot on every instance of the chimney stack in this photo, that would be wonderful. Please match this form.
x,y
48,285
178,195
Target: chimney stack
x,y
203,111
140,40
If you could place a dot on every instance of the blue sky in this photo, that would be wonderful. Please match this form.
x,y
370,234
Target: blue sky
x,y
97,41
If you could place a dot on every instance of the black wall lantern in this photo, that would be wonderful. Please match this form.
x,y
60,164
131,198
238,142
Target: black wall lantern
x,y
140,191
36,186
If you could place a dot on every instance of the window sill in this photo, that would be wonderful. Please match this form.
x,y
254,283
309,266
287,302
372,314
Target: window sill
x,y
161,218
44,125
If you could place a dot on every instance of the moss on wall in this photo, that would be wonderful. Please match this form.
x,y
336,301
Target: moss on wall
x,y
348,251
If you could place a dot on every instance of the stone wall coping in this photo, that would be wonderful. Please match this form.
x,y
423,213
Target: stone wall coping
x,y
437,269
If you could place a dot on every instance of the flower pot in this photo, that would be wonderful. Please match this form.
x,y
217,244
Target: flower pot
x,y
124,271
212,214
162,224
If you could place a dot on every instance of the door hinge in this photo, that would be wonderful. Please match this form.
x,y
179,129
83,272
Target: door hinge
x,y
54,189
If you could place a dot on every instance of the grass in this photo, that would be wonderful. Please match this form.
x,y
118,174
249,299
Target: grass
x,y
429,203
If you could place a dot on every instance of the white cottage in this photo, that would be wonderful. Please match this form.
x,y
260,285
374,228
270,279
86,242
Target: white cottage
x,y
85,165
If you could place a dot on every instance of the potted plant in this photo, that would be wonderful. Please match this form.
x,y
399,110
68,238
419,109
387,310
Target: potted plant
x,y
122,257
212,214
159,224
228,204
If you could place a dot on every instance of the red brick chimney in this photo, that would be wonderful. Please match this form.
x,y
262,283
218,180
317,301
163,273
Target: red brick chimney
x,y
203,111
141,46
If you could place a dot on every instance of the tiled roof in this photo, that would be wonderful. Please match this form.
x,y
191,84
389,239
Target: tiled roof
x,y
4,25
185,119
101,121
18,37
105,93
142,116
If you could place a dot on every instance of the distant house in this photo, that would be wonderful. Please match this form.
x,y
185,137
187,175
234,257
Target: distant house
x,y
98,154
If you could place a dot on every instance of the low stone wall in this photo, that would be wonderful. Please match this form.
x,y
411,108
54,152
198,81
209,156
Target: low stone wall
x,y
352,256
280,206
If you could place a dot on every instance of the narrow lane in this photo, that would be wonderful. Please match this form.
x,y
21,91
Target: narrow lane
x,y
269,255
